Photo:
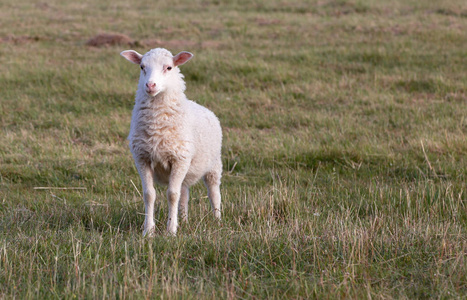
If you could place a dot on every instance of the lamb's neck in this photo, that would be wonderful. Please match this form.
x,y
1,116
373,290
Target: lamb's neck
x,y
166,99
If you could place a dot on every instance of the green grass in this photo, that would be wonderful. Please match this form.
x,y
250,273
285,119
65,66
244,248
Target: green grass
x,y
345,143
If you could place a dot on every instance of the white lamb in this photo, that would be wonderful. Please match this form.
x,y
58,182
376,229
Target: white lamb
x,y
174,141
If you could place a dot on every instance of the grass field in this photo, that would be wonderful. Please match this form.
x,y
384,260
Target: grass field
x,y
345,143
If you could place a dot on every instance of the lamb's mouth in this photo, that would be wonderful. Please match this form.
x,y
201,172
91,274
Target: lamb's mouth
x,y
152,92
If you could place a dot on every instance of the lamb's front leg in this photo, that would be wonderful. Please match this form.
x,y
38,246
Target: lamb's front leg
x,y
149,195
177,176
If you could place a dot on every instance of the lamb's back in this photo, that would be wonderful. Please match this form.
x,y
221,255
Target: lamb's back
x,y
206,133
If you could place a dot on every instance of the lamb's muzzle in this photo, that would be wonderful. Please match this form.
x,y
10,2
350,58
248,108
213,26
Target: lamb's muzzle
x,y
151,88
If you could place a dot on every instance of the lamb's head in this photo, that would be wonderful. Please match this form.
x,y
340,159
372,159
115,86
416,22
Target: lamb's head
x,y
159,69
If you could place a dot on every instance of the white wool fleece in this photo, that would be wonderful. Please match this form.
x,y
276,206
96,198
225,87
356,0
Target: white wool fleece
x,y
174,141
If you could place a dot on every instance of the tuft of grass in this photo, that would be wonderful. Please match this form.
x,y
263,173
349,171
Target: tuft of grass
x,y
344,151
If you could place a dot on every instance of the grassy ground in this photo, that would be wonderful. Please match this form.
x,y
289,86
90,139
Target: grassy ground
x,y
344,150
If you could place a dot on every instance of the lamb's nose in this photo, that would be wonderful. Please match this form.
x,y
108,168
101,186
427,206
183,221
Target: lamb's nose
x,y
151,85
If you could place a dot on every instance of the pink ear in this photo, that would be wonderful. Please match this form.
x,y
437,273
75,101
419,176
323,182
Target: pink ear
x,y
182,58
132,56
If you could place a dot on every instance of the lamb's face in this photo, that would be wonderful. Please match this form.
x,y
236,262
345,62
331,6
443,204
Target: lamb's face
x,y
157,71
158,68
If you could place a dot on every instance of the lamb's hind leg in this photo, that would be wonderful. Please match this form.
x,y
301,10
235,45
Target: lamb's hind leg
x,y
184,198
212,181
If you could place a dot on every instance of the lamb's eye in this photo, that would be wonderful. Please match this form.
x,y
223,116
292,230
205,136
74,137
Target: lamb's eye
x,y
169,68
142,67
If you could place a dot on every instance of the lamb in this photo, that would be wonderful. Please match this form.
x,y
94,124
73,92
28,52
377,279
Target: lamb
x,y
174,141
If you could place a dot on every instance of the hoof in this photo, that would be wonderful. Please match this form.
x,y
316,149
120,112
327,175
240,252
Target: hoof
x,y
148,232
172,227
169,233
217,214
